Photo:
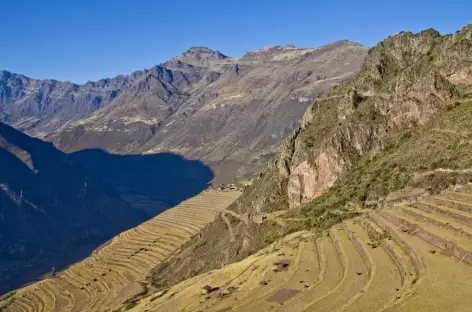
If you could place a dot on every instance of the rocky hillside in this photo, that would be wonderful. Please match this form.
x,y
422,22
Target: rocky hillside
x,y
49,207
397,129
407,81
39,107
230,113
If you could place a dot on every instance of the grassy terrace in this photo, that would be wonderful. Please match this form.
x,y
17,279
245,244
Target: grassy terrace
x,y
391,259
112,274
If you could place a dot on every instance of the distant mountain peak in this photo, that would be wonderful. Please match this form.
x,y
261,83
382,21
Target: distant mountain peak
x,y
201,53
200,49
341,43
5,74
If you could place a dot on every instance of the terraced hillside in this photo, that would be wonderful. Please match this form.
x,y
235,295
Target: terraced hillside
x,y
398,127
112,274
53,211
416,257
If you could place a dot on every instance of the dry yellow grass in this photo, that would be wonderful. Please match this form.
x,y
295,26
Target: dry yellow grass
x,y
112,274
414,258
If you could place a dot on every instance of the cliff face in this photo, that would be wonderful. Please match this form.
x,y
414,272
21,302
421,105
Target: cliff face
x,y
405,81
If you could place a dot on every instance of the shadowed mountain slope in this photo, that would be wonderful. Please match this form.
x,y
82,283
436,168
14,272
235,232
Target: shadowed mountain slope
x,y
53,211
165,178
50,205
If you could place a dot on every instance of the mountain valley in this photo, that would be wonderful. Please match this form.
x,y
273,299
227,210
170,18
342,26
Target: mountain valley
x,y
330,179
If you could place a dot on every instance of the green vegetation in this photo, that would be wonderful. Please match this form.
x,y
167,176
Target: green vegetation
x,y
130,305
434,156
161,294
269,187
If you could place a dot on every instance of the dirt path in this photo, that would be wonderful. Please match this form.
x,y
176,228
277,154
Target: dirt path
x,y
442,170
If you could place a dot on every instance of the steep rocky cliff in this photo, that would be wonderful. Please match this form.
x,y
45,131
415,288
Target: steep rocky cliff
x,y
398,127
405,82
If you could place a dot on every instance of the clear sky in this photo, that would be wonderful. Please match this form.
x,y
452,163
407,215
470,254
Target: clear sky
x,y
91,39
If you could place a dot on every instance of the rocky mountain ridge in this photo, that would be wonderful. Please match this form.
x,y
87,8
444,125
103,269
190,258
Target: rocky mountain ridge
x,y
41,106
407,80
229,113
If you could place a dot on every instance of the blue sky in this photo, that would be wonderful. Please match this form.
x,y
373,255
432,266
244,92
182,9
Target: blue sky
x,y
87,40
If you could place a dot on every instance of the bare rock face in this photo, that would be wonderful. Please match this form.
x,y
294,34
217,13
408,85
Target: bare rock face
x,y
314,173
406,81
286,152
203,55
309,181
308,116
230,113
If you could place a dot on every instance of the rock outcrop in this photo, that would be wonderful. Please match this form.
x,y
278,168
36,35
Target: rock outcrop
x,y
405,81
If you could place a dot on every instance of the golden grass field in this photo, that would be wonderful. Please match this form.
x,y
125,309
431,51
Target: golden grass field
x,y
411,259
112,273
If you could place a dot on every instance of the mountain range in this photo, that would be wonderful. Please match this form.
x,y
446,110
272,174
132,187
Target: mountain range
x,y
230,113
